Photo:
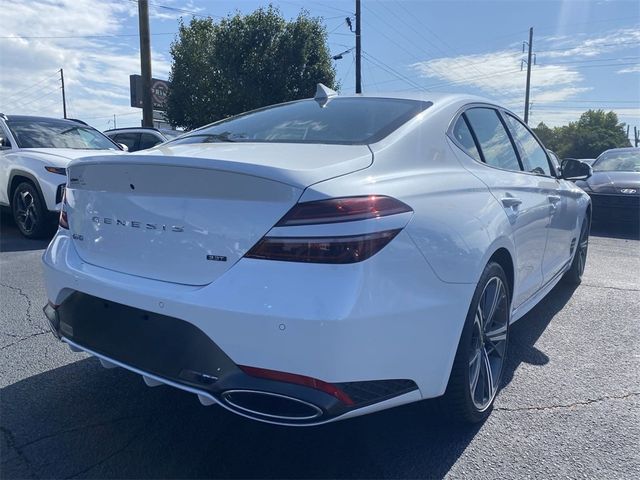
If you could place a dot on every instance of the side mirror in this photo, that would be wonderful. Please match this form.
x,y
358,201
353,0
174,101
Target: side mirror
x,y
123,147
575,170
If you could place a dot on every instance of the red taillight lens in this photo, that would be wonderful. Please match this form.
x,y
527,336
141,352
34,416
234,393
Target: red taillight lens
x,y
347,209
63,221
351,249
298,380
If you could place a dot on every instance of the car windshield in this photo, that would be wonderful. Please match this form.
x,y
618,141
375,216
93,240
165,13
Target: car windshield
x,y
52,133
620,161
343,121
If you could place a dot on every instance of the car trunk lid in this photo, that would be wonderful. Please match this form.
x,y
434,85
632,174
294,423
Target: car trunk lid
x,y
188,219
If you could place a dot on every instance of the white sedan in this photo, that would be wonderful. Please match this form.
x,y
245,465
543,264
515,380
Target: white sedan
x,y
34,153
319,259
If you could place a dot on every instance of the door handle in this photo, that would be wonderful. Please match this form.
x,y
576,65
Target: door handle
x,y
554,198
510,202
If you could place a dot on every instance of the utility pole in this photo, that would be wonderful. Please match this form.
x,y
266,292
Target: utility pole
x,y
115,125
64,100
526,95
145,62
358,50
636,137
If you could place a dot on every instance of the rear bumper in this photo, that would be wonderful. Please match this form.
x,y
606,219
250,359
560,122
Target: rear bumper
x,y
388,319
176,353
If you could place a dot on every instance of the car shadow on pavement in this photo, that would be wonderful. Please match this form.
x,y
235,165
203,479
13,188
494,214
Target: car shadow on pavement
x,y
11,240
82,420
524,334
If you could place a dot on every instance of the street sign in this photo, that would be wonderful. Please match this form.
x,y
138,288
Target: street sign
x,y
159,90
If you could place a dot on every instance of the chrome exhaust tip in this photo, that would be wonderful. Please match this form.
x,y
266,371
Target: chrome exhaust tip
x,y
267,405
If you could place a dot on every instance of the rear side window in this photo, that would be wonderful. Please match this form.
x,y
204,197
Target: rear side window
x,y
129,139
494,141
343,121
148,140
463,135
534,159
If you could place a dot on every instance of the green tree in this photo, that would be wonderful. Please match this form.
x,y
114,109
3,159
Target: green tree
x,y
545,134
245,62
595,132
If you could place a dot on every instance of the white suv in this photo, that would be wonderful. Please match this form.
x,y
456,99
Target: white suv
x,y
34,153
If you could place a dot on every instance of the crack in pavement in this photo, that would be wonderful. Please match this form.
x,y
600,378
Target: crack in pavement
x,y
610,288
23,339
20,292
579,403
135,437
93,425
11,442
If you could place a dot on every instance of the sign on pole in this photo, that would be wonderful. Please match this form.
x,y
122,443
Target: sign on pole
x,y
159,89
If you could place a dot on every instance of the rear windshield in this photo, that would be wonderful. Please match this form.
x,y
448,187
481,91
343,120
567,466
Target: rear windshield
x,y
52,133
343,121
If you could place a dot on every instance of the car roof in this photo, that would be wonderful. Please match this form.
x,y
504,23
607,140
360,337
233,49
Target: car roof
x,y
34,118
121,129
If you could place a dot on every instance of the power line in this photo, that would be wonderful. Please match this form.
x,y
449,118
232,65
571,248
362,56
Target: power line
x,y
115,35
111,116
180,10
587,46
591,61
40,97
434,45
388,69
31,86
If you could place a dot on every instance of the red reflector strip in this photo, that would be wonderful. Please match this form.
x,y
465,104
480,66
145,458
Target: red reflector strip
x,y
298,380
338,250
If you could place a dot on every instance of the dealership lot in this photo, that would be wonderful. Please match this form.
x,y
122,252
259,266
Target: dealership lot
x,y
570,406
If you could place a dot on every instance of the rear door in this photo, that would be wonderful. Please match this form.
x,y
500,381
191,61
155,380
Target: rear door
x,y
563,207
522,195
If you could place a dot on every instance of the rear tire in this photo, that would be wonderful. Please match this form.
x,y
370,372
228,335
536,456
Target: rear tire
x,y
574,274
29,211
480,359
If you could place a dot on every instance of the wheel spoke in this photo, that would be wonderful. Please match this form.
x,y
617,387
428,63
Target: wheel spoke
x,y
497,335
489,375
475,375
493,301
476,357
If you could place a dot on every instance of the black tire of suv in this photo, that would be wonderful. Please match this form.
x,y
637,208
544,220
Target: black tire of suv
x,y
39,224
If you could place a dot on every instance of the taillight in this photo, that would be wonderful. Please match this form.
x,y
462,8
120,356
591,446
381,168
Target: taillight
x,y
347,209
63,221
350,249
334,249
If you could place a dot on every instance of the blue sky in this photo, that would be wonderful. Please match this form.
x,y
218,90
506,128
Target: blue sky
x,y
588,52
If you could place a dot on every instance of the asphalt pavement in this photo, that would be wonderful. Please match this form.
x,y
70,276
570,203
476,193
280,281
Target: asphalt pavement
x,y
569,406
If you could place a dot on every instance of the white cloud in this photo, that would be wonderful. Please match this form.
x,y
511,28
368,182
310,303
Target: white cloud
x,y
499,75
581,46
96,69
634,69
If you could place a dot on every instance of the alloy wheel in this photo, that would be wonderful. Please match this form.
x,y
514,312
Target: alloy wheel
x,y
26,211
488,343
583,246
